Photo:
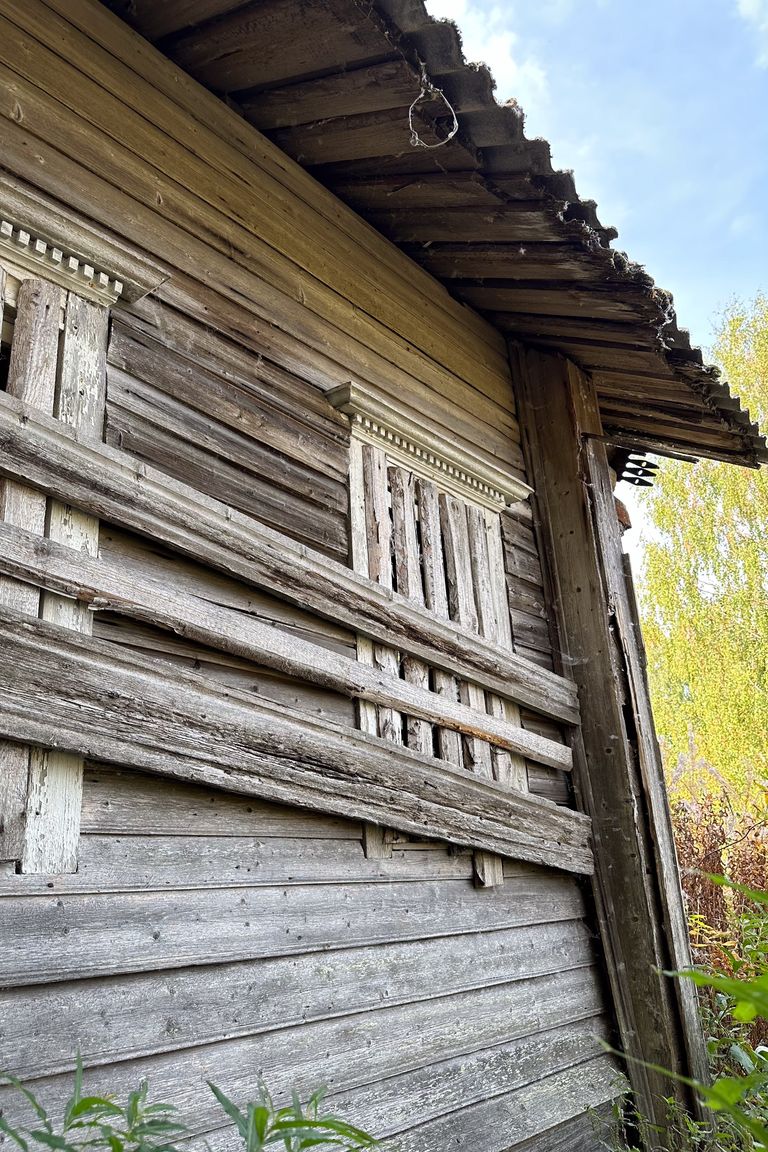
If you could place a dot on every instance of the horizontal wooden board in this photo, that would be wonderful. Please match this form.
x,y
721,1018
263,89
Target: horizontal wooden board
x,y
300,427
228,55
138,556
80,695
139,863
152,326
521,1115
166,439
132,494
223,668
372,88
123,802
243,653
440,1095
72,936
361,1049
118,1018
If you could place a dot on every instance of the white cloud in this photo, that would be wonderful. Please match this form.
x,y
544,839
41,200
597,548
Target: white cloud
x,y
755,12
487,39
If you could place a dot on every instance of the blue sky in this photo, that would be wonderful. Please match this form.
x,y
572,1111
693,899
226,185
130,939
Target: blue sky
x,y
660,107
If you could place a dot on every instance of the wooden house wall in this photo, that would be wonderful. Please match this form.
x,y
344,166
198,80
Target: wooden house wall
x,y
209,935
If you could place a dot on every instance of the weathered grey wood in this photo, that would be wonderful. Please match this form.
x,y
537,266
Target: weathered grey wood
x,y
168,350
618,578
123,1016
519,1115
504,763
488,869
137,556
65,690
436,599
379,536
491,614
168,929
162,441
56,778
124,802
374,1045
561,412
409,584
226,670
377,842
127,863
113,486
32,379
462,607
235,201
147,598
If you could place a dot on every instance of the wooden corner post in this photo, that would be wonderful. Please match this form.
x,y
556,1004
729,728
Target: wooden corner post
x,y
617,768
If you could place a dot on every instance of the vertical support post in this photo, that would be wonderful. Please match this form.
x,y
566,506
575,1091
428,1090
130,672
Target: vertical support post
x,y
636,899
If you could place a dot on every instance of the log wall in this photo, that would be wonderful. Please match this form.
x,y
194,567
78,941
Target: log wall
x,y
224,919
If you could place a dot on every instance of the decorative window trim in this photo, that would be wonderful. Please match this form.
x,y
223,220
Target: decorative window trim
x,y
380,420
33,254
39,236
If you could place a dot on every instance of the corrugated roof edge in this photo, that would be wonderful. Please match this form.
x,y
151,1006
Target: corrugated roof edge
x,y
437,43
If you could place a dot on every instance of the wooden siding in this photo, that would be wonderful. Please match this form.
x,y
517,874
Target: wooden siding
x,y
211,936
224,919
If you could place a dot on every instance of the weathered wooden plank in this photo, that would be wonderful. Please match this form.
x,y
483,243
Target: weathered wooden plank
x,y
484,534
519,1115
127,803
436,599
126,863
123,709
189,614
78,936
31,378
55,777
99,102
226,298
134,555
115,487
407,554
213,429
462,607
392,84
378,523
276,415
228,55
372,1046
561,412
224,669
401,1101
158,437
618,578
121,1017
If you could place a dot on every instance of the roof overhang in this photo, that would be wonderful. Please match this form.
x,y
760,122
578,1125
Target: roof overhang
x,y
333,84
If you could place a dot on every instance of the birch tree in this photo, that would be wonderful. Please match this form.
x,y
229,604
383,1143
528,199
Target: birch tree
x,y
705,587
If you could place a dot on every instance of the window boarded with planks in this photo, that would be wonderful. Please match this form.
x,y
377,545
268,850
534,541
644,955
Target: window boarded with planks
x,y
207,935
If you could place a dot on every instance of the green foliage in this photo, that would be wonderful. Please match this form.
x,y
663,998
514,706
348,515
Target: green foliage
x,y
97,1122
101,1124
294,1128
705,586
